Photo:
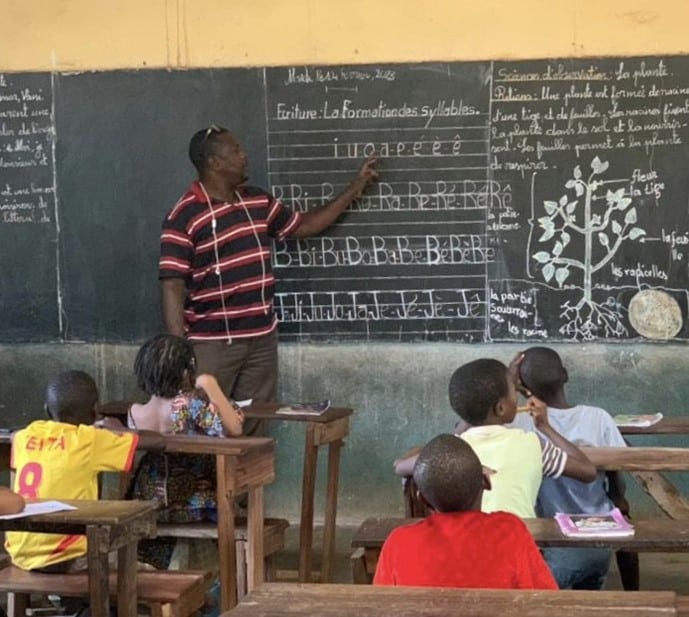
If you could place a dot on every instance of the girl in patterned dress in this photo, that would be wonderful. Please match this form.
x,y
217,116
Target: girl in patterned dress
x,y
180,402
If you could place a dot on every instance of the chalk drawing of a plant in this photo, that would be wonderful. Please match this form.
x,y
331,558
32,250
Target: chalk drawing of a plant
x,y
604,222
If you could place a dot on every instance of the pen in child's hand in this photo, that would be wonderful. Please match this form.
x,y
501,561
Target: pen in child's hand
x,y
523,408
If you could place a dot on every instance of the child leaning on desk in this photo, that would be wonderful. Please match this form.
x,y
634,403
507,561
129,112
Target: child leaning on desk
x,y
458,545
60,458
484,394
542,374
179,402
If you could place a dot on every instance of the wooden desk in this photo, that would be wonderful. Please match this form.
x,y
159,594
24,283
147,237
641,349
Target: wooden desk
x,y
655,535
283,600
661,490
675,425
108,526
329,428
243,465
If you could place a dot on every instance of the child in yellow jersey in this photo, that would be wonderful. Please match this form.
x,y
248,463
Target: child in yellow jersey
x,y
60,458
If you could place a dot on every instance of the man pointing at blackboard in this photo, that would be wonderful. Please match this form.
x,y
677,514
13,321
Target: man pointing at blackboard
x,y
215,270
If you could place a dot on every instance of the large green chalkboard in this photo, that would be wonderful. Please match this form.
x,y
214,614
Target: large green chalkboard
x,y
517,200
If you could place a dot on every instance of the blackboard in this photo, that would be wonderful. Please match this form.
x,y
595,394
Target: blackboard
x,y
517,200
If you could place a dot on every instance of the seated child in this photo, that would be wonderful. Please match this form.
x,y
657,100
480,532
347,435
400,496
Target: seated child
x,y
542,373
483,393
180,402
60,458
458,545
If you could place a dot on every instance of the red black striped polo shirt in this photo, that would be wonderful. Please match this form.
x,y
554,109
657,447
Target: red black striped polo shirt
x,y
228,274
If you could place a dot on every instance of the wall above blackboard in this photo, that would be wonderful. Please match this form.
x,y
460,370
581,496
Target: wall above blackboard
x,y
517,200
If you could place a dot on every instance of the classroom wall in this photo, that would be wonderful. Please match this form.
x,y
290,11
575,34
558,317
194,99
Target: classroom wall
x,y
399,391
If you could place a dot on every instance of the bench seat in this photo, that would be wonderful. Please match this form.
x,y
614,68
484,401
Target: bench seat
x,y
273,541
175,593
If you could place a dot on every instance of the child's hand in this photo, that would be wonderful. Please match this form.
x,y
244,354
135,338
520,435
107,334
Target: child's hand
x,y
539,413
110,423
513,368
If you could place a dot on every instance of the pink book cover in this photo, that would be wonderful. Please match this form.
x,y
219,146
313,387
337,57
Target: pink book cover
x,y
605,525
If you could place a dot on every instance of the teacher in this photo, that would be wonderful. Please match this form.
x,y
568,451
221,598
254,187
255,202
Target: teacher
x,y
215,271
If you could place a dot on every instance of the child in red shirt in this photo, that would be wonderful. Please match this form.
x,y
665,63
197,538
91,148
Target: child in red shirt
x,y
458,545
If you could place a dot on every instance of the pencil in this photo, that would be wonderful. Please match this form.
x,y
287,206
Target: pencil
x,y
524,408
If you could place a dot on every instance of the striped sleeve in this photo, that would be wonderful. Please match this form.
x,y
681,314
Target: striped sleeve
x,y
176,249
282,222
553,458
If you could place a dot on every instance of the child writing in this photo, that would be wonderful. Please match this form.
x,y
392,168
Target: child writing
x,y
60,458
484,394
179,402
542,373
458,545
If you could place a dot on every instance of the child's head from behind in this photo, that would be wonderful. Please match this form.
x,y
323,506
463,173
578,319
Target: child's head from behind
x,y
483,392
165,365
542,373
71,397
449,475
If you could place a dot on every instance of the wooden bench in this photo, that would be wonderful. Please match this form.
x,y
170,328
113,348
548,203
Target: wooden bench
x,y
650,535
273,541
284,599
167,593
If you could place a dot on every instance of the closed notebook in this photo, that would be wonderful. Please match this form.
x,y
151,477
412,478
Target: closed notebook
x,y
642,420
304,409
608,525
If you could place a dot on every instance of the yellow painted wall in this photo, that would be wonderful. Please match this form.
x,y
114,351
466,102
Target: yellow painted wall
x,y
106,34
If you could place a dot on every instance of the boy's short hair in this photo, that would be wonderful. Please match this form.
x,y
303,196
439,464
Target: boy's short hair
x,y
476,388
542,372
448,474
161,364
71,396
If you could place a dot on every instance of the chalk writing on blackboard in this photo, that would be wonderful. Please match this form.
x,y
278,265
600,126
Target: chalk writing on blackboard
x,y
594,151
389,268
30,300
26,158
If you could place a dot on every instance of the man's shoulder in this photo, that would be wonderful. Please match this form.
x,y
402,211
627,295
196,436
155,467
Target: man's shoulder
x,y
187,205
255,192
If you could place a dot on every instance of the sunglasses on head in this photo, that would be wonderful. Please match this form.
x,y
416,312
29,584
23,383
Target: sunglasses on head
x,y
213,128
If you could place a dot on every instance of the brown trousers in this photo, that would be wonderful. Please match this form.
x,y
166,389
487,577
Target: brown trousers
x,y
245,369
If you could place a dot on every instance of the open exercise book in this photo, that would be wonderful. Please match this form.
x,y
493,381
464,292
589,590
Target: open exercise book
x,y
612,524
304,409
642,420
39,507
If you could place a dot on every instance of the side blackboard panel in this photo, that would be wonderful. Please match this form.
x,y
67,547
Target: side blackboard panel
x,y
122,164
596,154
28,230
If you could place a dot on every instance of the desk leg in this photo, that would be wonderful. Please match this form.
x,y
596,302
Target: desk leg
x,y
97,556
254,555
126,581
330,509
307,497
225,471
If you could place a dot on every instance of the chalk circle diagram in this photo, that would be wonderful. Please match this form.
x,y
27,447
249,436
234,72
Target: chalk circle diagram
x,y
655,314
